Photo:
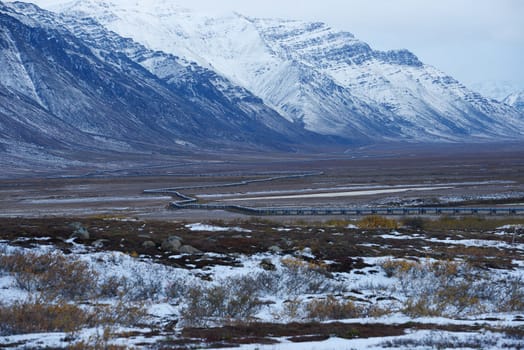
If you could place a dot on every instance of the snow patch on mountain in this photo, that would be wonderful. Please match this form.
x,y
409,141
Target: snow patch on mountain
x,y
12,70
516,100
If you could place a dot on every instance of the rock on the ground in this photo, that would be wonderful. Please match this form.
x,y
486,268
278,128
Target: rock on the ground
x,y
275,249
267,265
187,249
149,244
80,231
99,243
172,244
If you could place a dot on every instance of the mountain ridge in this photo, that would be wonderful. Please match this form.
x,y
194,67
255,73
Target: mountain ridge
x,y
328,80
103,94
86,80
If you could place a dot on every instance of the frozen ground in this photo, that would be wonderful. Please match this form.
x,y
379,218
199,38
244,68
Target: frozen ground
x,y
317,283
414,340
368,303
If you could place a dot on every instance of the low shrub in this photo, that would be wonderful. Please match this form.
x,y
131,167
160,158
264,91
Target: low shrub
x,y
398,267
53,275
100,340
373,222
332,309
232,299
511,294
297,277
470,223
113,286
238,298
292,309
142,287
36,316
415,222
121,313
177,289
338,223
375,310
453,289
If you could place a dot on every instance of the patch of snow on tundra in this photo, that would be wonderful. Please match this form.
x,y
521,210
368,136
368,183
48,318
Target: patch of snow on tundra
x,y
212,228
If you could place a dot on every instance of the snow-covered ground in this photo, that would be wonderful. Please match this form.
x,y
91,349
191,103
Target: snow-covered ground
x,y
213,228
287,284
415,340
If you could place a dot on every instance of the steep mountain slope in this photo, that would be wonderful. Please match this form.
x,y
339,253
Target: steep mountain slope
x,y
303,104
200,86
28,127
396,80
28,132
60,92
328,80
516,100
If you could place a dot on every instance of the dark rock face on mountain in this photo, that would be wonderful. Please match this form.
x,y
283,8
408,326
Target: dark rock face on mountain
x,y
59,90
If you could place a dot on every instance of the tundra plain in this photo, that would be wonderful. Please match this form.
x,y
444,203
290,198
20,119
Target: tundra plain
x,y
92,261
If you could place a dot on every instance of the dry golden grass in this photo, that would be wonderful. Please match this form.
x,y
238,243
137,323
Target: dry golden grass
x,y
452,288
332,309
34,317
53,275
377,222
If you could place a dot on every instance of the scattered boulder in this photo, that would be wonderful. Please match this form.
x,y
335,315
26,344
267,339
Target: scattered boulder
x,y
288,242
275,249
305,253
267,265
149,244
173,237
172,244
175,244
80,231
99,243
187,249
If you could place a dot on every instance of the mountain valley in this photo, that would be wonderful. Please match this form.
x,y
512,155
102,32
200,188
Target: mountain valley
x,y
113,78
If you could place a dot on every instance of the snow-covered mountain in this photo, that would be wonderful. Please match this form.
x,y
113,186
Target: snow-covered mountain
x,y
150,76
327,80
70,86
516,100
